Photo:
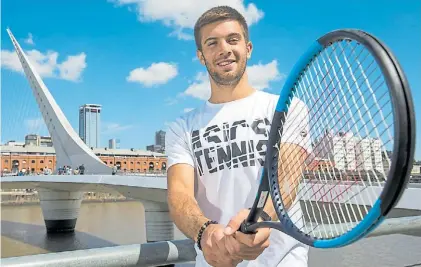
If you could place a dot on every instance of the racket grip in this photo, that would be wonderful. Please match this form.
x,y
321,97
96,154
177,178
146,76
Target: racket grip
x,y
244,228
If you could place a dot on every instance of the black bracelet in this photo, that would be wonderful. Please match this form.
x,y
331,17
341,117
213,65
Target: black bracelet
x,y
202,229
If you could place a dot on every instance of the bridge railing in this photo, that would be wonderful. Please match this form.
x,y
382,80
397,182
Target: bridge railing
x,y
164,253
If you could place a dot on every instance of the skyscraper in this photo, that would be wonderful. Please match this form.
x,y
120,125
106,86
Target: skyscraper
x,y
160,138
89,124
114,143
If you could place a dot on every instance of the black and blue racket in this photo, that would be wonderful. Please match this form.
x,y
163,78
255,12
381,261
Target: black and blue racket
x,y
341,143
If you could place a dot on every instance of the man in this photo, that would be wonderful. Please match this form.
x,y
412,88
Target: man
x,y
216,153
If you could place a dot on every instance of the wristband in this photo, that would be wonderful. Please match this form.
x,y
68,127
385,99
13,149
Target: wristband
x,y
202,229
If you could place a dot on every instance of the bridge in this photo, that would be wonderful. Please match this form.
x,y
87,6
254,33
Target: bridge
x,y
61,196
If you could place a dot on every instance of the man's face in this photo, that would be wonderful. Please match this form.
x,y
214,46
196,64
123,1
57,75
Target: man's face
x,y
225,51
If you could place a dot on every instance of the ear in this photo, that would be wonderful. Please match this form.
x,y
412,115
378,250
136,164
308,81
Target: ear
x,y
249,49
199,55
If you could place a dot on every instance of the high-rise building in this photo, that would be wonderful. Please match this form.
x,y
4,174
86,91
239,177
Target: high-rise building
x,y
114,143
159,145
160,138
90,124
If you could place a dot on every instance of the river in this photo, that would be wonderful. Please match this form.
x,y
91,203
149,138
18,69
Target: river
x,y
122,223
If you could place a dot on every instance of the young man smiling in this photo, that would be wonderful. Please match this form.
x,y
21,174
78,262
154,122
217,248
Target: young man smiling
x,y
216,154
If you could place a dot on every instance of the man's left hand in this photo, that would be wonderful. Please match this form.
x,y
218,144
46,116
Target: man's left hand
x,y
245,246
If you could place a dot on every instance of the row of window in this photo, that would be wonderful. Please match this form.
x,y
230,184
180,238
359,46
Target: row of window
x,y
24,161
125,162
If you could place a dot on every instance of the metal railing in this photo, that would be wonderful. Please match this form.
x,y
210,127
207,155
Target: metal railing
x,y
164,253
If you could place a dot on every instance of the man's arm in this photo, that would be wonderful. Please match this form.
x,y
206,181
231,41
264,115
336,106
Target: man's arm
x,y
183,207
290,168
187,215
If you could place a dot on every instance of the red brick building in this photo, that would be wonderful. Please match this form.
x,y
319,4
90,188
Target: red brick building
x,y
36,158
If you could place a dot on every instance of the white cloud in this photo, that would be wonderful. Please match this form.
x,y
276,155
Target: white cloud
x,y
187,110
200,87
72,67
30,39
170,101
156,73
112,127
46,64
36,126
181,35
183,14
260,75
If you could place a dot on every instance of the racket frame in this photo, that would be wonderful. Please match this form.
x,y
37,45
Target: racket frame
x,y
403,147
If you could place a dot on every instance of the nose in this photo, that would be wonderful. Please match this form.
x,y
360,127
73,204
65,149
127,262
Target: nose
x,y
224,49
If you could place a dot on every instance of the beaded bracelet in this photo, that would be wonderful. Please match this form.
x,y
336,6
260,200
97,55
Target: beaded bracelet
x,y
202,229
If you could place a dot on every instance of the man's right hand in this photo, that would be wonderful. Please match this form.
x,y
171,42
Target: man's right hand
x,y
213,247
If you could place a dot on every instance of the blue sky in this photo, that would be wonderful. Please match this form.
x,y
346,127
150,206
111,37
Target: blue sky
x,y
104,52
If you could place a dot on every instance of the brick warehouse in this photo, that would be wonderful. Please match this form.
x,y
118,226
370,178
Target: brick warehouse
x,y
35,158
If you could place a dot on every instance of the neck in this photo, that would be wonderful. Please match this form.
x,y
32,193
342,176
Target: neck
x,y
228,93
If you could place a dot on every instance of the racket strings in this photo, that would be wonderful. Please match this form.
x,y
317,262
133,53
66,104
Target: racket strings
x,y
333,198
325,177
333,101
318,96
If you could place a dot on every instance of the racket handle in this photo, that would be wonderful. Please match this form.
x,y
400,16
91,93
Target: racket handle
x,y
244,228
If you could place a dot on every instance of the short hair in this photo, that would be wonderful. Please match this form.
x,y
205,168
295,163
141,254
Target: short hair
x,y
219,13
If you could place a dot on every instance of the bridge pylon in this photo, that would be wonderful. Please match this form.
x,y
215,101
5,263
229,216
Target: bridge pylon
x,y
60,208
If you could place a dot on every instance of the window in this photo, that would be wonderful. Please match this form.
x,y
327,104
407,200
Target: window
x,y
32,161
41,161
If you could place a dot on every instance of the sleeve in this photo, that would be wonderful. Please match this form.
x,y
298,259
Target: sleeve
x,y
177,146
296,129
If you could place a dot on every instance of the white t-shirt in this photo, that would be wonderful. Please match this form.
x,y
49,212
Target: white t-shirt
x,y
226,143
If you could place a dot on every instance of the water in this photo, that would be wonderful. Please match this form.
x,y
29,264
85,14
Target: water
x,y
23,233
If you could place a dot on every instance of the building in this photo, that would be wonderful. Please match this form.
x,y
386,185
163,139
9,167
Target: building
x,y
155,148
14,143
34,159
159,145
90,124
160,138
114,143
416,168
350,153
37,140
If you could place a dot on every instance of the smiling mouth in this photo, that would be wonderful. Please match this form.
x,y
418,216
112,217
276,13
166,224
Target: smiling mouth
x,y
225,63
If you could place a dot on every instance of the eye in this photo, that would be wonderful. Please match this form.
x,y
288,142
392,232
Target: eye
x,y
211,43
233,40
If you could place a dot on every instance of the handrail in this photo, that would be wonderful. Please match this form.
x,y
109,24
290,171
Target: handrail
x,y
148,254
166,252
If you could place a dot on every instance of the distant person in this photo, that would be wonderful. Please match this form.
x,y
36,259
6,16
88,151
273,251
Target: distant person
x,y
82,169
114,170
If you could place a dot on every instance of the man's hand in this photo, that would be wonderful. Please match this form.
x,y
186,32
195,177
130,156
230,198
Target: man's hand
x,y
245,246
213,247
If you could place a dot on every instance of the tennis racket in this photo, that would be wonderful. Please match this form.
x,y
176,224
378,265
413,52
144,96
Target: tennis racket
x,y
341,143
